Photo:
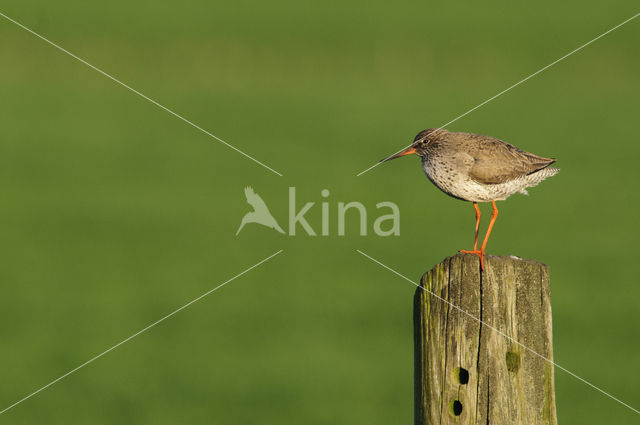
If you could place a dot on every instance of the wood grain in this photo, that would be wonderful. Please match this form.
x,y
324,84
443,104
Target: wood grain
x,y
468,373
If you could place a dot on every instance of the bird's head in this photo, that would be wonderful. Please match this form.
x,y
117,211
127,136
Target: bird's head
x,y
419,146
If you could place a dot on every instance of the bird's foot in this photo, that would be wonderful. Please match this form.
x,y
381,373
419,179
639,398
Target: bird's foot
x,y
477,252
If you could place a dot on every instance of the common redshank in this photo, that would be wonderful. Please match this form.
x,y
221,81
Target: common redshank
x,y
477,168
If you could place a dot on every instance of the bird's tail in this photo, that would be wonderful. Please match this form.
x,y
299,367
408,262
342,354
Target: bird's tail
x,y
535,178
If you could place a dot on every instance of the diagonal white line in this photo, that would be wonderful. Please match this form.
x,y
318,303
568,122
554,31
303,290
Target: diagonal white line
x,y
175,114
498,331
518,83
139,332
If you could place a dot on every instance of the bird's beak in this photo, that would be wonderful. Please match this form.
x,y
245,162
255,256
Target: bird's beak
x,y
404,152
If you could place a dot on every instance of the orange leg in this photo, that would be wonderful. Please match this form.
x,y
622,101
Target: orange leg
x,y
494,215
475,241
480,253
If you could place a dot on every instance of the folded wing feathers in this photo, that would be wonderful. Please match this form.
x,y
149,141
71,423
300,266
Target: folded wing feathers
x,y
500,162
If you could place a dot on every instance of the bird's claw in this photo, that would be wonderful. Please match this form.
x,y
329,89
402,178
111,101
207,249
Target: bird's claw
x,y
477,252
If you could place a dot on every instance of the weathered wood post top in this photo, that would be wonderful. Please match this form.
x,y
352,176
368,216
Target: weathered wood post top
x,y
471,329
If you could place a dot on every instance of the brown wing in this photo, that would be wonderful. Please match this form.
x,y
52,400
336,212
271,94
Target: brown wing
x,y
497,162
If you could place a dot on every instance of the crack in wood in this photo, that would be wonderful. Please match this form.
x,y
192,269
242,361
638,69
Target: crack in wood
x,y
479,347
505,296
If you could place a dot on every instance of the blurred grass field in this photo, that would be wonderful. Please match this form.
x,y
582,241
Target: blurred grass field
x,y
115,213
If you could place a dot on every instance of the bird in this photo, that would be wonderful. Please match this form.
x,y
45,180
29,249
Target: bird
x,y
260,213
477,168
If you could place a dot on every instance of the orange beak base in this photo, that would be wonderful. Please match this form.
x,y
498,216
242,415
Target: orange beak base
x,y
407,151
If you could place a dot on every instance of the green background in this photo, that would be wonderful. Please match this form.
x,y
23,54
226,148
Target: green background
x,y
114,213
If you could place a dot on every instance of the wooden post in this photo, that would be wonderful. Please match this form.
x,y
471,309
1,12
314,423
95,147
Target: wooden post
x,y
468,373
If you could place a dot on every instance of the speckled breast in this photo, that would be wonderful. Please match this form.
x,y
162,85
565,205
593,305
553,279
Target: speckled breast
x,y
456,183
